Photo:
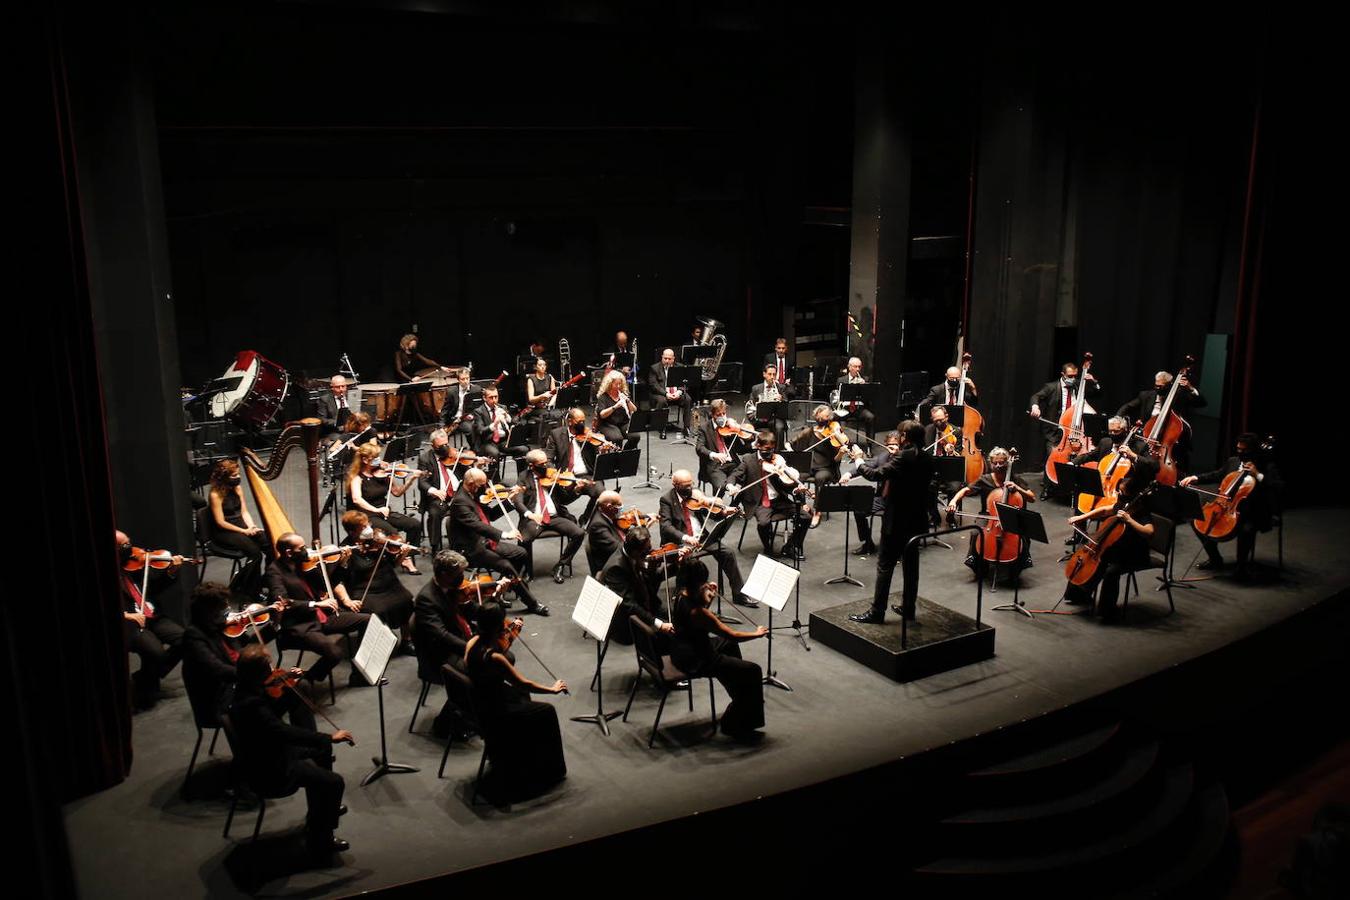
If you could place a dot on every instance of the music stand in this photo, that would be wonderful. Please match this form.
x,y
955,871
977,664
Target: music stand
x,y
1095,426
913,391
371,660
412,392
647,419
570,396
1180,505
399,448
522,434
868,395
691,353
845,498
769,583
594,612
616,464
690,380
949,469
1078,480
775,411
1029,526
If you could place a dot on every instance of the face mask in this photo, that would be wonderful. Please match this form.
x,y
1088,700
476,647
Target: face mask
x,y
442,451
766,454
579,428
687,491
124,552
719,421
367,533
235,481
953,382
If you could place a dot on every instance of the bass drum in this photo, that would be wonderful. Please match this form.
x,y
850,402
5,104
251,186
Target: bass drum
x,y
258,388
379,400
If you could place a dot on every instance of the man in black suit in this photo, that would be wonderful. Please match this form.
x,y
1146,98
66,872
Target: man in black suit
x,y
666,394
567,454
603,535
472,534
866,547
857,417
540,514
1256,513
770,499
334,408
435,488
716,454
625,574
457,413
945,393
492,428
278,758
687,528
157,640
442,627
769,391
904,478
781,361
1052,399
314,619
1149,403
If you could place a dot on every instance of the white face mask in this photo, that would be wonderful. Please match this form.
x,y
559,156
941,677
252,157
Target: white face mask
x,y
367,533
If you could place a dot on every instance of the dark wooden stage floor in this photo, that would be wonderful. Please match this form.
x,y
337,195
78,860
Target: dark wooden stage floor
x,y
841,718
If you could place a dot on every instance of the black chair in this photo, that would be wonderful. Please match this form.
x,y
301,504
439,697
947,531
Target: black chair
x,y
201,528
430,675
1160,548
460,688
263,796
203,719
775,520
664,676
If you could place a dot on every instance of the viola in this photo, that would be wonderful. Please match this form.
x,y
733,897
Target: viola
x,y
595,439
973,423
1113,467
713,505
999,546
157,559
329,555
484,586
370,543
734,429
1082,566
237,623
946,443
1166,428
1071,438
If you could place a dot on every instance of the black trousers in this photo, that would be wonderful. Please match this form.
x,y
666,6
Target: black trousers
x,y
1246,545
399,522
557,525
253,546
495,452
892,549
613,433
780,511
716,476
862,420
508,560
160,646
1109,575
312,770
437,511
325,641
743,680
685,407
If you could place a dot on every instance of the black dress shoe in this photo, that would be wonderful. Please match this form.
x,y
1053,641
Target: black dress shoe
x,y
1208,565
342,810
746,602
540,610
558,574
900,611
866,549
868,618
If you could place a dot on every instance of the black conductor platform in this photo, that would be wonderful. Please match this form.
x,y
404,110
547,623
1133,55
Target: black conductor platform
x,y
939,639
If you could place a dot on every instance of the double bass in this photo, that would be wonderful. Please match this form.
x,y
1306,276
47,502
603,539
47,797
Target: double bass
x,y
1071,438
1163,430
971,425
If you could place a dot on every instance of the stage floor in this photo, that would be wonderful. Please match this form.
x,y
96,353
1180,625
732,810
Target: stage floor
x,y
140,839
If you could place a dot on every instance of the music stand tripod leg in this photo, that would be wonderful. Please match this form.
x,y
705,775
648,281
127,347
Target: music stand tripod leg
x,y
599,717
382,764
771,678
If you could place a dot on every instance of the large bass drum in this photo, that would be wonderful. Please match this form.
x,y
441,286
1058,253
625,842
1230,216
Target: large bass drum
x,y
253,390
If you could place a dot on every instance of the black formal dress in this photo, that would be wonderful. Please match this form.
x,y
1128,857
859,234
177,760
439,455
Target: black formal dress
x,y
658,379
317,630
769,501
981,489
614,426
375,491
252,546
473,535
524,742
905,480
375,579
541,387
707,442
700,654
159,644
677,521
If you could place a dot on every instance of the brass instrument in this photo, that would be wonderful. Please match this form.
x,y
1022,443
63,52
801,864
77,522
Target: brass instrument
x,y
771,395
711,338
564,359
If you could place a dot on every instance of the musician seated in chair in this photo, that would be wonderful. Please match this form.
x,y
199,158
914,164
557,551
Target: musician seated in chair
x,y
540,390
941,438
768,488
996,479
603,535
492,428
157,640
457,414
1132,508
541,515
232,528
854,416
473,535
628,574
716,454
700,528
664,394
768,391
315,618
1255,513
614,408
334,408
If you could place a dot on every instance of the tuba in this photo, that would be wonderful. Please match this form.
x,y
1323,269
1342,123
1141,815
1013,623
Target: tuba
x,y
711,338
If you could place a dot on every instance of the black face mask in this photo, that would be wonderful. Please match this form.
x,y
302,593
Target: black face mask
x,y
685,491
123,552
953,382
235,481
442,451
766,454
1117,436
579,428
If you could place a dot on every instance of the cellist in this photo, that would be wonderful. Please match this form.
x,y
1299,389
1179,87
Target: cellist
x,y
1051,400
998,478
1254,513
1130,551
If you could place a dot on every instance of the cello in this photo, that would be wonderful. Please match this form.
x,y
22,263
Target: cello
x,y
1083,565
1162,431
1219,517
971,424
1071,439
998,545
1113,467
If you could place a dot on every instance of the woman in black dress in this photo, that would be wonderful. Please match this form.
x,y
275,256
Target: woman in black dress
x,y
704,646
368,486
999,477
1133,508
537,387
524,742
232,528
370,576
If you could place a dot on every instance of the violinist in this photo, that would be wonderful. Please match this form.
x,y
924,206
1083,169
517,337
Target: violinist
x,y
523,740
570,448
1149,403
540,515
694,653
442,629
698,527
768,487
603,535
277,758
1133,509
997,478
614,408
457,413
540,389
941,438
158,641
827,441
232,527
314,618
439,479
863,521
209,655
1051,400
945,393
905,477
769,390
665,394
1255,513
627,574
863,418
368,488
472,534
716,456
369,574
492,428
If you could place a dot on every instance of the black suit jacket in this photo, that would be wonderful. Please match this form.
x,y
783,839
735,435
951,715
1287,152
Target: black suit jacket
x,y
1141,407
636,588
930,435
822,452
468,532
748,470
1049,398
656,380
558,448
603,537
326,408
208,673
262,740
427,462
905,478
482,428
452,403
528,499
937,396
284,581
771,359
672,519
705,444
436,631
1262,502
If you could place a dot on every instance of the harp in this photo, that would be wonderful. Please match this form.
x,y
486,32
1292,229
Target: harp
x,y
296,480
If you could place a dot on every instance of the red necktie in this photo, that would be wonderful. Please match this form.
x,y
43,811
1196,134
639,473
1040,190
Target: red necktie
x,y
232,653
721,444
543,500
492,545
764,500
143,606
496,426
688,523
318,610
781,379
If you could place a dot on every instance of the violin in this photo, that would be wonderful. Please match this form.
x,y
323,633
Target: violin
x,y
237,623
1219,517
713,505
394,545
462,457
946,443
397,470
1071,439
157,559
999,546
834,434
564,479
1166,428
734,429
595,439
329,555
498,492
484,586
1082,566
279,680
633,516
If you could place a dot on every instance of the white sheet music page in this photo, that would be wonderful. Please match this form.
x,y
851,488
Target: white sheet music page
x,y
595,608
770,582
376,648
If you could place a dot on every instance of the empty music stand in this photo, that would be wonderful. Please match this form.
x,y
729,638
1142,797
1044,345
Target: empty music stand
x,y
648,419
913,390
617,464
868,396
775,411
845,498
570,396
1029,526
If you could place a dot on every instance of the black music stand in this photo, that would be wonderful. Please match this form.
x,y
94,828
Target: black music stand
x,y
399,448
845,498
913,391
691,353
569,397
522,434
690,380
647,420
730,378
1029,526
949,469
1181,505
1095,426
412,392
868,395
775,411
1078,480
616,464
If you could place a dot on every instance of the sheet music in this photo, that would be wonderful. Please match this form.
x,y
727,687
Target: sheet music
x,y
770,582
376,647
595,608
